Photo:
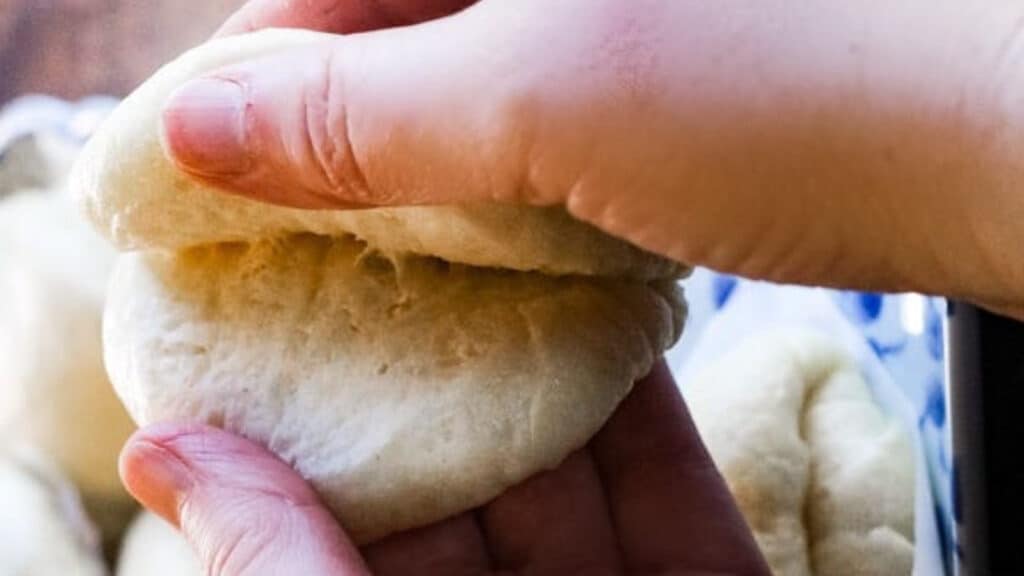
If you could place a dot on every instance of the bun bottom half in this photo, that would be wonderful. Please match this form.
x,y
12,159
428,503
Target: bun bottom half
x,y
406,390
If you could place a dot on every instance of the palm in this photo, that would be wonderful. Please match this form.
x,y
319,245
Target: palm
x,y
642,497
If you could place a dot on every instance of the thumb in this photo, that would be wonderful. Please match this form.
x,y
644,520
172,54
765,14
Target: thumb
x,y
242,510
384,117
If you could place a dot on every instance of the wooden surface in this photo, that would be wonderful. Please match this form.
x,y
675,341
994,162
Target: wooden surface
x,y
73,48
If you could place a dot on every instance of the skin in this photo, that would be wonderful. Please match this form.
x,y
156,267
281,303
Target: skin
x,y
847,144
641,498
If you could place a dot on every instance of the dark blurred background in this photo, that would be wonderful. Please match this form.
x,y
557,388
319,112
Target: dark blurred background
x,y
74,48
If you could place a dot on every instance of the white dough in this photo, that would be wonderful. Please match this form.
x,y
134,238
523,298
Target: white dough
x,y
54,391
43,530
412,363
825,480
152,547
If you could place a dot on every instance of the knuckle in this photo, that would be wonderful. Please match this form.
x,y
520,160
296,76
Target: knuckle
x,y
240,555
328,138
238,540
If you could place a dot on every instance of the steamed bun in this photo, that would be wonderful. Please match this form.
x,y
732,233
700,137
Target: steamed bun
x,y
824,479
43,529
412,363
54,391
152,547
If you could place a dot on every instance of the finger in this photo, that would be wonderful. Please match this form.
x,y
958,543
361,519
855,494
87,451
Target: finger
x,y
338,16
554,523
669,505
400,116
454,546
244,511
749,138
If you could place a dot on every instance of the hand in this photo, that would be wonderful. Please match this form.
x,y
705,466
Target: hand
x,y
829,143
643,497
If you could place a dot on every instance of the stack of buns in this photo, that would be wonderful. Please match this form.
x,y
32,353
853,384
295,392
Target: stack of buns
x,y
411,363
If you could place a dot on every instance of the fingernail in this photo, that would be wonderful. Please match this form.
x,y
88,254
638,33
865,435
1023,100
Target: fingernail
x,y
204,127
155,476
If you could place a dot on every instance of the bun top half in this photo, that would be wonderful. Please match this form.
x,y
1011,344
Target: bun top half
x,y
138,199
